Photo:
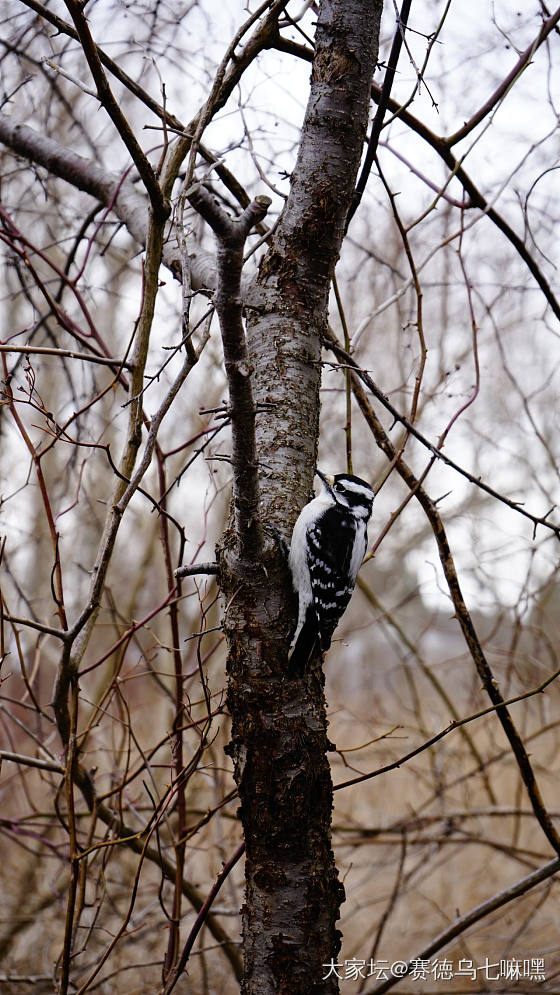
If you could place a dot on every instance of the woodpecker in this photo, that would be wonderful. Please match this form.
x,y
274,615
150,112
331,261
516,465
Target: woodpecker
x,y
328,545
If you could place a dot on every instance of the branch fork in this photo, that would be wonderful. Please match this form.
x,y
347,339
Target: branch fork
x,y
231,235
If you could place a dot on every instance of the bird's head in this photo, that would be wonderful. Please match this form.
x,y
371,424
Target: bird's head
x,y
350,492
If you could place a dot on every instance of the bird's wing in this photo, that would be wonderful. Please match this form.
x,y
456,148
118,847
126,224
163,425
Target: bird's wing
x,y
330,542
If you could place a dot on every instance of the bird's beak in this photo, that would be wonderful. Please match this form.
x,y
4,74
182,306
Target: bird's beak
x,y
329,481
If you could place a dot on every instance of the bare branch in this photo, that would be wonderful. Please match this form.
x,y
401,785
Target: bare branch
x,y
477,199
231,236
227,76
197,568
505,86
442,146
86,357
456,723
201,918
83,628
112,190
350,362
377,124
18,758
475,915
463,616
159,205
171,121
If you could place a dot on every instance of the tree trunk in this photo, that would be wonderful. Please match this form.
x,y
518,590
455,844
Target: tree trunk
x,y
279,727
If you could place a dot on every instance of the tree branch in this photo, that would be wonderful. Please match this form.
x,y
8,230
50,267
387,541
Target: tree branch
x,y
197,568
226,79
30,350
18,758
381,109
231,236
230,181
455,723
114,191
81,631
475,915
105,96
501,91
463,615
442,146
201,919
348,361
137,843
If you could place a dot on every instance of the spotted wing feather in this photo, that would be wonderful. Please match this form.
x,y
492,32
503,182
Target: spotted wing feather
x,y
330,543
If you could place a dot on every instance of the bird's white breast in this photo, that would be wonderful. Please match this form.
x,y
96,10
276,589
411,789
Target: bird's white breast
x,y
298,548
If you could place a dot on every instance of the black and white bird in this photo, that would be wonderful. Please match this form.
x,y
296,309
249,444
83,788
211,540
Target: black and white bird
x,y
328,545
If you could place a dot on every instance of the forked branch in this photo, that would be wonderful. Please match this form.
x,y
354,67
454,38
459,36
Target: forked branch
x,y
105,96
231,235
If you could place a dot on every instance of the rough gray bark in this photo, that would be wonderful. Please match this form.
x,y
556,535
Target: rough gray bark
x,y
279,729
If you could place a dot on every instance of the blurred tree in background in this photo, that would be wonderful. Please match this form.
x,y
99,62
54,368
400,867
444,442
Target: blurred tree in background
x,y
161,770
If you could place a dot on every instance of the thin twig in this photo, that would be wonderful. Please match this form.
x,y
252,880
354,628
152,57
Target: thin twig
x,y
200,919
462,923
454,724
105,96
197,568
348,360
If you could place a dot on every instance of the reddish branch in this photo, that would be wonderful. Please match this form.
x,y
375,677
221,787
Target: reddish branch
x,y
443,147
56,575
138,842
26,250
201,919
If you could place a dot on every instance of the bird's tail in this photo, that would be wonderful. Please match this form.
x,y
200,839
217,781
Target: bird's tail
x,y
304,644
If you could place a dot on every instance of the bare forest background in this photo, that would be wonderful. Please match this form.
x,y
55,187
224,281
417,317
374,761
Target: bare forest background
x,y
447,296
